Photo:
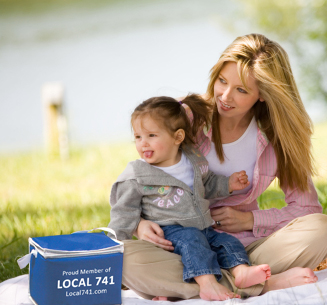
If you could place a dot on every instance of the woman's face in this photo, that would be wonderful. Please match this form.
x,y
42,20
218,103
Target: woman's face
x,y
231,97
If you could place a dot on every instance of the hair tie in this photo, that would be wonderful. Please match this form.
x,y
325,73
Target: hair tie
x,y
180,102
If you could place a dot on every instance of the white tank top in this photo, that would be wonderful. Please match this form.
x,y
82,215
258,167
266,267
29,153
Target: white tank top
x,y
239,155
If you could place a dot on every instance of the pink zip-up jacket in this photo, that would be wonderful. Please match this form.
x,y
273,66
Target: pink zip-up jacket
x,y
265,221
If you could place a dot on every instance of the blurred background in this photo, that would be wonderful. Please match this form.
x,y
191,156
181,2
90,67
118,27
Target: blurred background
x,y
109,56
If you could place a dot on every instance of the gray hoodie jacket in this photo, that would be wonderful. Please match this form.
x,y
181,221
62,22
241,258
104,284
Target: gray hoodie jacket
x,y
148,192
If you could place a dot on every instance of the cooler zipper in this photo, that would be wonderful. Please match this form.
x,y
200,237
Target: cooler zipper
x,y
50,253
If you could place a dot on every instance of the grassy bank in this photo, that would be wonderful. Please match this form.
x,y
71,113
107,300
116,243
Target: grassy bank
x,y
41,196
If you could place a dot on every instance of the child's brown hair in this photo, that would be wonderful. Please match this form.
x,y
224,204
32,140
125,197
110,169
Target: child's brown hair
x,y
172,115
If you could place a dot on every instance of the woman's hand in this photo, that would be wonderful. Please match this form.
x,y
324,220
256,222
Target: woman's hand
x,y
151,232
232,220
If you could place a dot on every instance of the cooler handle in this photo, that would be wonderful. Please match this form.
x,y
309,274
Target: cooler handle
x,y
106,229
25,260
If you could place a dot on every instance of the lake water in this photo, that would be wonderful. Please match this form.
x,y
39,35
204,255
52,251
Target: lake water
x,y
110,57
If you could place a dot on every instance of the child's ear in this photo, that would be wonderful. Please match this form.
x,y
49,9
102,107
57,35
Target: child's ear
x,y
179,136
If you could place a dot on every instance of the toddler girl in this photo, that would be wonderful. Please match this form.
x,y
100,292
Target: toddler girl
x,y
170,185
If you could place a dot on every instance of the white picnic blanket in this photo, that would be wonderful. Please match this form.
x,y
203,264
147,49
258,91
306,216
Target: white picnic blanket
x,y
15,292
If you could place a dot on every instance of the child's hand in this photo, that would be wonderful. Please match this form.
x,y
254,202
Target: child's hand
x,y
238,181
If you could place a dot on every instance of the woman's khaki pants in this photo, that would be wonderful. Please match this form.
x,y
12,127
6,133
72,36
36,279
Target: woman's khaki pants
x,y
151,271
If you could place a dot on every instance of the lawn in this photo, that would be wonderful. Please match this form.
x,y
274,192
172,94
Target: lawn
x,y
44,196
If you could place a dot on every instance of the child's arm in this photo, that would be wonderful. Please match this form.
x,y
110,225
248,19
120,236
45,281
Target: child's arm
x,y
125,214
215,185
221,186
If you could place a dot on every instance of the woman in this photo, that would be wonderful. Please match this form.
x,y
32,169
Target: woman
x,y
259,124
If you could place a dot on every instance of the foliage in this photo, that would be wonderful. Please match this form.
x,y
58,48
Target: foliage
x,y
302,24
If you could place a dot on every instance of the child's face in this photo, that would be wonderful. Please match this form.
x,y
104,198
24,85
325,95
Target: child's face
x,y
154,144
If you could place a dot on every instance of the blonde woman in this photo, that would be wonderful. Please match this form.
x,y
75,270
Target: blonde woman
x,y
258,124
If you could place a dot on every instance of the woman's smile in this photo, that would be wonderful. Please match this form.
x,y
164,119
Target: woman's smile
x,y
225,106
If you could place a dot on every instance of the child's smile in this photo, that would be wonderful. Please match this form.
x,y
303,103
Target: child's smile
x,y
148,153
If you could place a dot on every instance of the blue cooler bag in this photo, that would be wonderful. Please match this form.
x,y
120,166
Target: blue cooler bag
x,y
80,268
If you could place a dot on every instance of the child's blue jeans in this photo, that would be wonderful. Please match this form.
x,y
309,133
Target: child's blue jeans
x,y
206,251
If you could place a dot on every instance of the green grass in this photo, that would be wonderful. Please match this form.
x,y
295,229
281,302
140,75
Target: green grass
x,y
43,196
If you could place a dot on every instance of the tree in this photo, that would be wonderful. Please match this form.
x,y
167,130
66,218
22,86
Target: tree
x,y
303,24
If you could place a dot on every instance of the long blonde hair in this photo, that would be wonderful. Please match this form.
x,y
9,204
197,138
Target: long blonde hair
x,y
282,117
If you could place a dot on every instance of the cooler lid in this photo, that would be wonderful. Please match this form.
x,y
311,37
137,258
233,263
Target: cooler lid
x,y
76,242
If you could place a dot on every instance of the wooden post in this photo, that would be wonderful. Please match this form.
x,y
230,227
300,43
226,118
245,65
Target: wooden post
x,y
55,131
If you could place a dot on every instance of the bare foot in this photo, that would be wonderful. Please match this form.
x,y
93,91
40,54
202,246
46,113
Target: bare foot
x,y
246,276
211,290
160,299
290,278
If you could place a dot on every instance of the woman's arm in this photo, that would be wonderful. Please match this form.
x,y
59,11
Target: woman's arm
x,y
298,204
265,222
151,232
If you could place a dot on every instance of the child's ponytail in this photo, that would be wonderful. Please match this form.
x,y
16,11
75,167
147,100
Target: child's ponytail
x,y
200,113
173,115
